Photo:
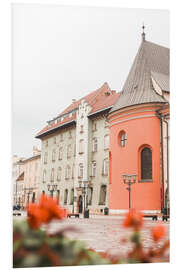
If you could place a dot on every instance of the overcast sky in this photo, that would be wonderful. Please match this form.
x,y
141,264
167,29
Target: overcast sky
x,y
60,53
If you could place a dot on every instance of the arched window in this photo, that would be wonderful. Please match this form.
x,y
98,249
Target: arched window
x,y
65,196
95,144
102,196
123,139
73,171
81,146
93,168
45,157
90,193
60,153
59,173
80,170
72,196
105,166
68,172
53,155
44,176
146,164
52,175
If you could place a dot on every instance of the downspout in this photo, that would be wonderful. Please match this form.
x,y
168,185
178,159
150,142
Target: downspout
x,y
162,159
167,137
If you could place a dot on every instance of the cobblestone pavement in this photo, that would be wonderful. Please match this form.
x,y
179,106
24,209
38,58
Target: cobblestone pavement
x,y
104,233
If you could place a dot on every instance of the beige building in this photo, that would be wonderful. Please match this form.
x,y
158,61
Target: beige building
x,y
17,170
75,152
20,190
31,177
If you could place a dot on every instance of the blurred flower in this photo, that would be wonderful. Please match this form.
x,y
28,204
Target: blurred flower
x,y
133,219
158,232
44,212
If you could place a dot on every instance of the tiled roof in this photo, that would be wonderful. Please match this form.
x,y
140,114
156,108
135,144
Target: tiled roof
x,y
151,60
99,99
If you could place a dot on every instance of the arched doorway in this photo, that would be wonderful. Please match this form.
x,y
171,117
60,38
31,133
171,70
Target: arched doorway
x,y
80,204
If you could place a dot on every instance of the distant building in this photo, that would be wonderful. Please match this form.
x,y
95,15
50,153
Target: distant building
x,y
75,149
31,177
139,133
17,170
20,190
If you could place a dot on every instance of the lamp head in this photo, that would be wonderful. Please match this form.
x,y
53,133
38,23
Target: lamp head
x,y
124,177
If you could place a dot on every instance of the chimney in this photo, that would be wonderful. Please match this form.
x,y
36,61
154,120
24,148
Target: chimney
x,y
73,100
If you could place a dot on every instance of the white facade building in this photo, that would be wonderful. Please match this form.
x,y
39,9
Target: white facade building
x,y
75,151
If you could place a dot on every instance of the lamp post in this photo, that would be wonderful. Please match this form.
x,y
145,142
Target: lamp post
x,y
52,188
84,192
127,180
30,190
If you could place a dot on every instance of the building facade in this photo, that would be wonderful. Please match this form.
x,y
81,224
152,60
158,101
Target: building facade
x,y
139,134
31,177
75,153
17,170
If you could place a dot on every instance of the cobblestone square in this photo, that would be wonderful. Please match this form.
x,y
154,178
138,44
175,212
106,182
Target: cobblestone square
x,y
104,233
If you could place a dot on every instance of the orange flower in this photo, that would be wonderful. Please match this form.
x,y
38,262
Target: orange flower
x,y
44,212
158,232
133,219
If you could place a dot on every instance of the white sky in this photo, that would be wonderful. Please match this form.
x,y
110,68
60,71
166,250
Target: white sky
x,y
60,53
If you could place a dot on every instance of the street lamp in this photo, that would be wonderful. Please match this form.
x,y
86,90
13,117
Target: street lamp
x,y
52,188
127,180
84,192
30,190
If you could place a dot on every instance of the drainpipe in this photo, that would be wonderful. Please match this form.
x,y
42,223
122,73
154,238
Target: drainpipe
x,y
167,137
162,159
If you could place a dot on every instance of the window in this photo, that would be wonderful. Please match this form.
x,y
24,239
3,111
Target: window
x,y
94,144
46,143
44,176
106,141
45,157
68,171
123,139
81,129
73,170
72,196
65,196
105,166
54,155
94,126
58,196
146,164
59,174
52,175
69,151
93,168
61,137
90,193
102,195
80,170
60,153
81,146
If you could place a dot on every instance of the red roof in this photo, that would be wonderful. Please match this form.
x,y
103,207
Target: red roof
x,y
99,99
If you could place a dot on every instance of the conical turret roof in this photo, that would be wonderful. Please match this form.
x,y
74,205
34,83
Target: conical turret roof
x,y
151,59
